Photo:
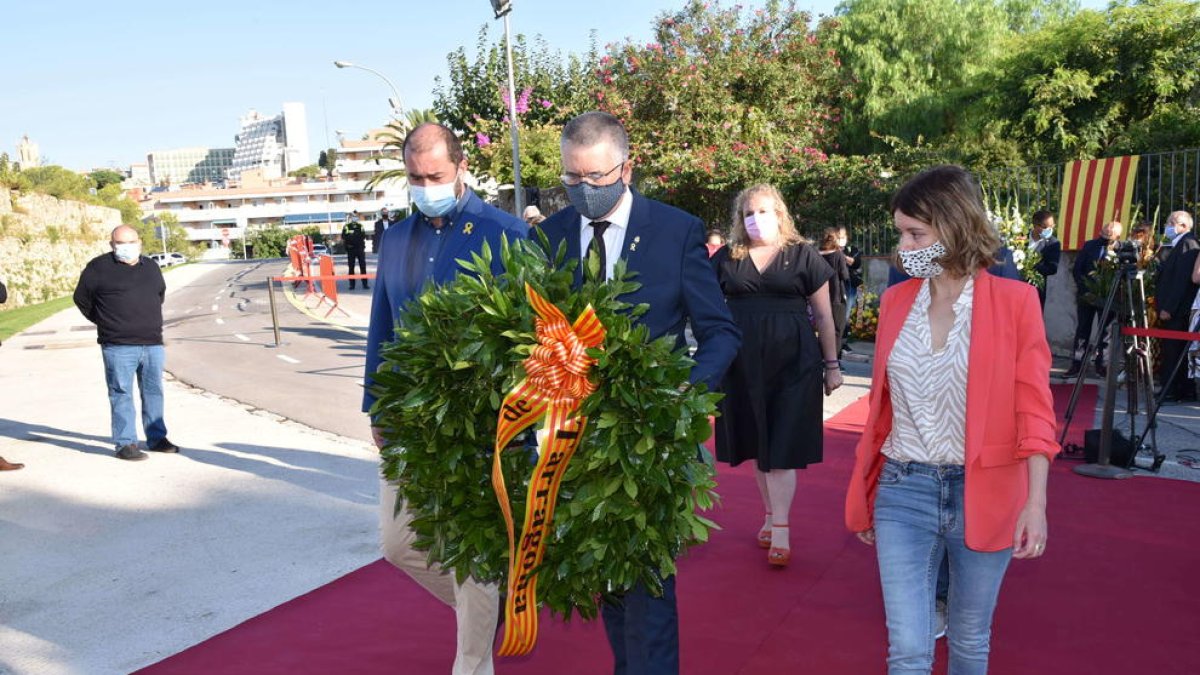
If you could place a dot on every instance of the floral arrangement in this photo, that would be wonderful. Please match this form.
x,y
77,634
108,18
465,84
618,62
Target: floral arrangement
x,y
864,317
1014,235
628,501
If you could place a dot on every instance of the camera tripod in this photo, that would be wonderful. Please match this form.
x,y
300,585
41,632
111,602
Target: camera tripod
x,y
1137,369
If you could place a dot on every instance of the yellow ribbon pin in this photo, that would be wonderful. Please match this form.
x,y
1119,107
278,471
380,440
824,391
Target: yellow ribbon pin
x,y
468,227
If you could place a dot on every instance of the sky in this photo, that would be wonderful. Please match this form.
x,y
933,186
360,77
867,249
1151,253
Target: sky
x,y
98,85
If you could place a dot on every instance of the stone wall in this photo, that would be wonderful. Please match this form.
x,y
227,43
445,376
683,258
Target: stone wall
x,y
46,242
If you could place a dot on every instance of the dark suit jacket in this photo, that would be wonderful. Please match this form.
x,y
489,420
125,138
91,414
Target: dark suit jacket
x,y
488,224
1085,262
1174,290
1051,250
665,248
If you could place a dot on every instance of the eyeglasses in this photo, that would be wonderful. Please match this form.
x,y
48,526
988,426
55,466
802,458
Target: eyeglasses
x,y
572,179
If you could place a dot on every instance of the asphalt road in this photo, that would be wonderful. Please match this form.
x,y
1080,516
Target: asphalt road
x,y
220,339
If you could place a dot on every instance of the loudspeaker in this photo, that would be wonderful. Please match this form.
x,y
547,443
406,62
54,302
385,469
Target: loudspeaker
x,y
1122,449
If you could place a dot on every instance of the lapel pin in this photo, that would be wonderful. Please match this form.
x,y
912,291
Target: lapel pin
x,y
468,227
636,241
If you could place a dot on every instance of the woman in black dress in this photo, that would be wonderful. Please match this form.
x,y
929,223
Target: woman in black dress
x,y
832,253
771,412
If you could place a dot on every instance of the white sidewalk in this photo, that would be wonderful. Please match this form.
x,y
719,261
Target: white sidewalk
x,y
107,566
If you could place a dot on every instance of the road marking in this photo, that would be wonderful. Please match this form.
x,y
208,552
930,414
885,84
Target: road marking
x,y
284,357
241,337
220,322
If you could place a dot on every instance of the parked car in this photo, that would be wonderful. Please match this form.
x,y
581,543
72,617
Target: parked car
x,y
168,259
318,251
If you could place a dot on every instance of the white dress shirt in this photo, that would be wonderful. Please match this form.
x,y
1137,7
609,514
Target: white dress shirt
x,y
614,236
928,388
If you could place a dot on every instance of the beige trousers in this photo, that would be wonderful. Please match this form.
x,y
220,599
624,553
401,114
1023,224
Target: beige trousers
x,y
475,604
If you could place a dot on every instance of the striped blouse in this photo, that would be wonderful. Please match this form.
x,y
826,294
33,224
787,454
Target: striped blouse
x,y
928,388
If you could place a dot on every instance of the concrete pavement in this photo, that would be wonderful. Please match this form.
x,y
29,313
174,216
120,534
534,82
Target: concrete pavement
x,y
107,566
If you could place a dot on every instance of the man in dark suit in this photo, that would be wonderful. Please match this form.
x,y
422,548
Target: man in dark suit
x,y
381,225
665,247
1087,313
1048,246
1174,293
449,222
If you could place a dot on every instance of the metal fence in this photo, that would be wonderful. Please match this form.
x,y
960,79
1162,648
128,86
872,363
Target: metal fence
x,y
1165,182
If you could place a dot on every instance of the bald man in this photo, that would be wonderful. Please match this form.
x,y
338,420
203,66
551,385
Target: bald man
x,y
122,293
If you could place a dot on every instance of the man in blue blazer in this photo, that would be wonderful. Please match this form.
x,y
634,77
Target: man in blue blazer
x,y
449,224
665,247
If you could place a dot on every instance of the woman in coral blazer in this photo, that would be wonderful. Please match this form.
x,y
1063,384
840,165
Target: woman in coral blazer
x,y
955,454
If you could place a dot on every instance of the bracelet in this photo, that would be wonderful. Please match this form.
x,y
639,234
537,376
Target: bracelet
x,y
833,367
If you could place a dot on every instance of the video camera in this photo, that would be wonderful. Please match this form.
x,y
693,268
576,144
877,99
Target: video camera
x,y
1128,251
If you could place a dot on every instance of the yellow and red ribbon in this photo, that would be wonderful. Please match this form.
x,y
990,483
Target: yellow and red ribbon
x,y
555,385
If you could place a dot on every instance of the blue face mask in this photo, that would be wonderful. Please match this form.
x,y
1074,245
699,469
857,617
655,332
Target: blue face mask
x,y
1047,233
434,201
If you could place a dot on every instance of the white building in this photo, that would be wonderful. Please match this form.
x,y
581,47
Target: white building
x,y
184,166
28,154
217,215
272,145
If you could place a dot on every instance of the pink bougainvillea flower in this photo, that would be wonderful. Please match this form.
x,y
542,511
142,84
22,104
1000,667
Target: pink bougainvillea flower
x,y
482,140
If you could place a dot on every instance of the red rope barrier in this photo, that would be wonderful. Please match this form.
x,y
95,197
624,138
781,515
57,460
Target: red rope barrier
x,y
1161,333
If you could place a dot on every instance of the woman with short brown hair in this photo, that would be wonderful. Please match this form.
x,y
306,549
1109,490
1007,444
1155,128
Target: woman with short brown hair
x,y
949,464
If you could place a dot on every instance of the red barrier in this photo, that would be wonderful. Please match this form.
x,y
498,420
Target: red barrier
x,y
1161,333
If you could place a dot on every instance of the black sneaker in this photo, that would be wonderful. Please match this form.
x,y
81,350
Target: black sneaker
x,y
1101,370
130,452
163,445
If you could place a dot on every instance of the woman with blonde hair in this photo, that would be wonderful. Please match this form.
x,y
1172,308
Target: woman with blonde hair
x,y
951,464
771,413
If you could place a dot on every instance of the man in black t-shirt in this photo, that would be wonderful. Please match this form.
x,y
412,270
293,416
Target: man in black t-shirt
x,y
122,293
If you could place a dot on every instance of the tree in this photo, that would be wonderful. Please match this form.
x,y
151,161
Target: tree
x,y
59,182
1125,80
418,116
724,98
310,171
911,62
328,160
477,90
270,241
105,177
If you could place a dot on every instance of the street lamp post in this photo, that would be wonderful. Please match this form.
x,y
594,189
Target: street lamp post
x,y
503,8
395,101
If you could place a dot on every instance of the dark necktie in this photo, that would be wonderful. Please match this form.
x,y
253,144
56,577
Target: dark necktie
x,y
597,245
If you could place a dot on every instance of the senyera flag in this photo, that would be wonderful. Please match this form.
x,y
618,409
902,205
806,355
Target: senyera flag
x,y
1094,192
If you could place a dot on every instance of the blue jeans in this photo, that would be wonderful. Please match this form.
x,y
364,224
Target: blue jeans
x,y
121,364
643,631
918,519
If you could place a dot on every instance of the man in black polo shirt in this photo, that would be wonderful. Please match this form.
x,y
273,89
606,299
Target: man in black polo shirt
x,y
122,293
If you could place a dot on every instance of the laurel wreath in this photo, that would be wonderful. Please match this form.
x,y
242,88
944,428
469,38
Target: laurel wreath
x,y
630,500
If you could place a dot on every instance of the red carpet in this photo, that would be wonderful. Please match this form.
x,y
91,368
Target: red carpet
x,y
1110,596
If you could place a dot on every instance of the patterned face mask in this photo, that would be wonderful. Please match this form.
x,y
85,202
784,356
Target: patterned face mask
x,y
920,264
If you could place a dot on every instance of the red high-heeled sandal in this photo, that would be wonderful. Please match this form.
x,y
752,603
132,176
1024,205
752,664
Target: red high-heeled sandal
x,y
779,557
764,535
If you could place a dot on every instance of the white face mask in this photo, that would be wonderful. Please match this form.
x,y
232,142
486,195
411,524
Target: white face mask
x,y
127,253
920,264
762,226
